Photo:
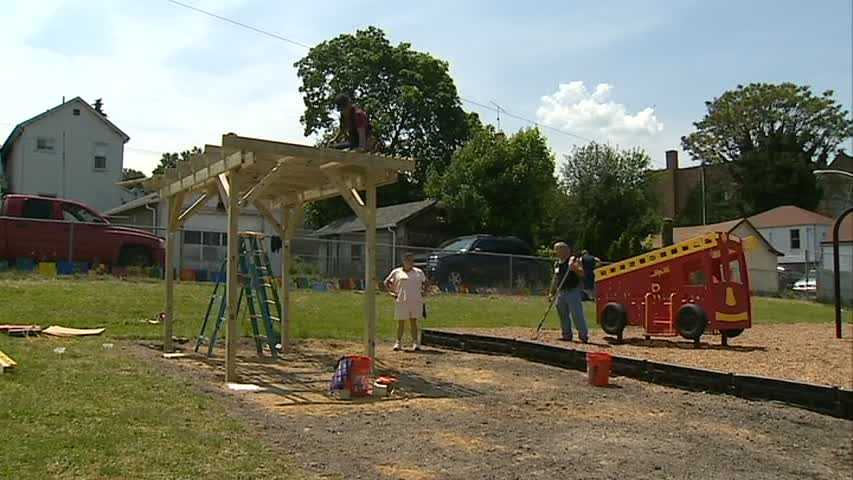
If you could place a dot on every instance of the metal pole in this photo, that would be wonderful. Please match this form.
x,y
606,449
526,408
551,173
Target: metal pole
x,y
836,268
71,245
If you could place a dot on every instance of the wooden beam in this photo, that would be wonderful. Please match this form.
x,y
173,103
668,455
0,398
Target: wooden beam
x,y
344,188
232,331
168,269
323,193
314,156
294,221
270,217
175,210
291,217
370,269
194,181
275,173
189,211
222,186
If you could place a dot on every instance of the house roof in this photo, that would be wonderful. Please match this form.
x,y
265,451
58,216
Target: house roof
x,y
149,199
19,128
788,215
845,231
680,234
389,216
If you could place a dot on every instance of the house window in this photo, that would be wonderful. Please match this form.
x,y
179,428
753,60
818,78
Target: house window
x,y
100,156
45,144
795,239
76,112
192,237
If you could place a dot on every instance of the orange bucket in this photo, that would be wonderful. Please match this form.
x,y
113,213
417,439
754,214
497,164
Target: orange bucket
x,y
598,365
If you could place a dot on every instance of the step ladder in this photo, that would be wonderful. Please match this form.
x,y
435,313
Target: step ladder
x,y
258,286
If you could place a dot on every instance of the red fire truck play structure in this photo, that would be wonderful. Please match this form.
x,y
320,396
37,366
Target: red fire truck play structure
x,y
683,289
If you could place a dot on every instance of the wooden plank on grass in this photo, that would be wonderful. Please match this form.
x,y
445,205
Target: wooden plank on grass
x,y
6,362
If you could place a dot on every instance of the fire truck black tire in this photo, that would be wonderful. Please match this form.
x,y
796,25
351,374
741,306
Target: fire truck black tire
x,y
613,318
691,321
732,333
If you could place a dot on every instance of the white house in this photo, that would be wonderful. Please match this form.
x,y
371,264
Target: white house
x,y
826,284
70,151
202,243
796,233
761,261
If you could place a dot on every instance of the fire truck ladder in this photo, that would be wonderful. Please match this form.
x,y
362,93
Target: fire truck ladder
x,y
657,324
259,288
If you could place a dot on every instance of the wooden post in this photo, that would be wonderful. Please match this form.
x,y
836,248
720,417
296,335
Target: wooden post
x,y
285,278
169,308
370,266
233,283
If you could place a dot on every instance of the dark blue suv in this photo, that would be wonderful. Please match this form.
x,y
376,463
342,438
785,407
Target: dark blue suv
x,y
484,261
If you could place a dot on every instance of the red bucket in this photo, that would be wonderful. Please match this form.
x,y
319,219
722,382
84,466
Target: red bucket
x,y
598,365
353,375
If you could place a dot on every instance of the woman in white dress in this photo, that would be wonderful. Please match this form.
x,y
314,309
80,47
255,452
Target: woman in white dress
x,y
407,285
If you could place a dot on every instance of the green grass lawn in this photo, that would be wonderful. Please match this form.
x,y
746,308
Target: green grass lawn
x,y
93,413
125,306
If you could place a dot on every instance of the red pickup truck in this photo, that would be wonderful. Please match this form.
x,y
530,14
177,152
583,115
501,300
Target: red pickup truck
x,y
52,229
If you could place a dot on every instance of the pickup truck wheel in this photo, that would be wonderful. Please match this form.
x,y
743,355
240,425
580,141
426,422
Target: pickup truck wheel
x,y
135,257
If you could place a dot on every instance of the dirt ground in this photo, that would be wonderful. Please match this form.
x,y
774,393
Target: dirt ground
x,y
465,416
803,352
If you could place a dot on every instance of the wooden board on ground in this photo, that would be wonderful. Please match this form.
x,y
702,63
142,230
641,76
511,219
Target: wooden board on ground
x,y
6,362
58,331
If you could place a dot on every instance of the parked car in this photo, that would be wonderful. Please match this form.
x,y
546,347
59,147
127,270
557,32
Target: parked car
x,y
484,261
52,229
806,285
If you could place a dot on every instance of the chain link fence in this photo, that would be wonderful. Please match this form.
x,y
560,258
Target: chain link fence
x,y
66,247
337,263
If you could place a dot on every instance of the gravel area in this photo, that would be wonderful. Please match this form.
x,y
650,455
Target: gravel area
x,y
803,352
465,416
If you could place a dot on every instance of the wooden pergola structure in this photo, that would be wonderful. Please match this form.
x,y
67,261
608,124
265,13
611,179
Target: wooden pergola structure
x,y
273,176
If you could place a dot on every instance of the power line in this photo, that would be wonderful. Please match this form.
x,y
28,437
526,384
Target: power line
x,y
524,119
240,24
294,42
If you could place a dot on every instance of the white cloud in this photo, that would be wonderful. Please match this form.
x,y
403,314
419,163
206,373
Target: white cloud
x,y
593,114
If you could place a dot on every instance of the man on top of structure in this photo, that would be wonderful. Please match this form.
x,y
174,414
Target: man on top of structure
x,y
355,132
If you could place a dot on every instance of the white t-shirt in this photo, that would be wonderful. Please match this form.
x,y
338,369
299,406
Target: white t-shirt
x,y
407,285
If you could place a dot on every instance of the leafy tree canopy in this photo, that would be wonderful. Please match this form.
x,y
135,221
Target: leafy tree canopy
x,y
771,137
611,202
131,174
170,160
498,185
411,99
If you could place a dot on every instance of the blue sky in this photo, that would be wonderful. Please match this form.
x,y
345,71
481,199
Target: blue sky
x,y
633,73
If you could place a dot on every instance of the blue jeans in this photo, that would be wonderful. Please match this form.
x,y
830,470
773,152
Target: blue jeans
x,y
570,308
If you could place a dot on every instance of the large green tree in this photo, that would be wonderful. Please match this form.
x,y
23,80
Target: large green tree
x,y
610,200
771,137
498,185
410,96
170,160
131,174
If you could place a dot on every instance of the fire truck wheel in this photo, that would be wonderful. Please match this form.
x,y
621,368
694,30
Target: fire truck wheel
x,y
732,333
691,321
613,318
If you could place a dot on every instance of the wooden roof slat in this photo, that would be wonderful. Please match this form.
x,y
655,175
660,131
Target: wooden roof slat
x,y
314,156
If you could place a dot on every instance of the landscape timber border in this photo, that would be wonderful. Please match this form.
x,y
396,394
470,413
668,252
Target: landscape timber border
x,y
833,401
